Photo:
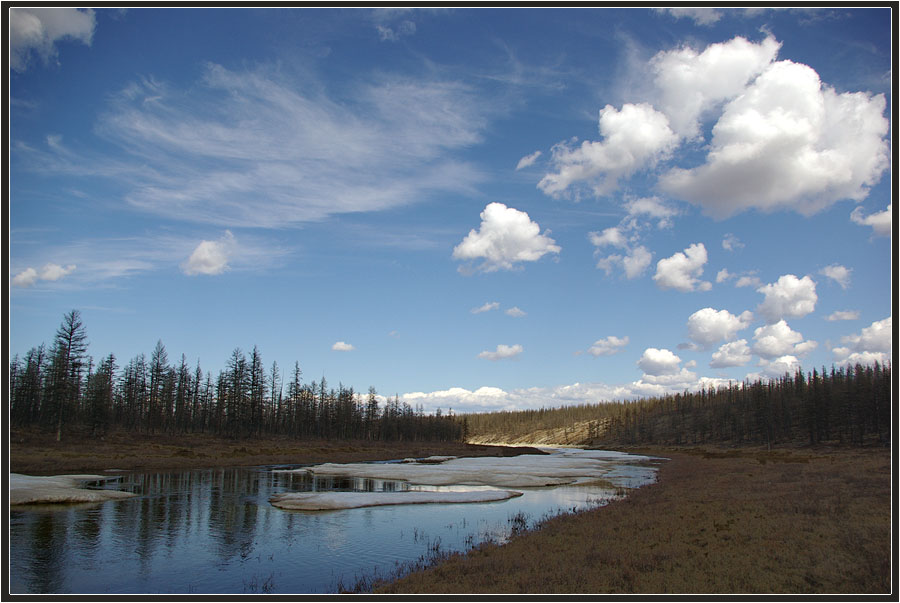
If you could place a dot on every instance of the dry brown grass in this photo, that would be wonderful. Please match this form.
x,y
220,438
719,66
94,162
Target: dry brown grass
x,y
38,453
744,521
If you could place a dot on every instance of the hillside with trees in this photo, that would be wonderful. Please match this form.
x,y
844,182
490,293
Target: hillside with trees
x,y
845,406
60,388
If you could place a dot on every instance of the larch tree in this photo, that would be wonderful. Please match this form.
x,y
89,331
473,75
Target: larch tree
x,y
66,366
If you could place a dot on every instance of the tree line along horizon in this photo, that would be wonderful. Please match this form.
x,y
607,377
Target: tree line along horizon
x,y
61,389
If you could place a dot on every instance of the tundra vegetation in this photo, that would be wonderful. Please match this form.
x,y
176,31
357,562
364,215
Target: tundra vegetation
x,y
718,521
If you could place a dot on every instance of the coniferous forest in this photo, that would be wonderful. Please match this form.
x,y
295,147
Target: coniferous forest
x,y
61,388
843,406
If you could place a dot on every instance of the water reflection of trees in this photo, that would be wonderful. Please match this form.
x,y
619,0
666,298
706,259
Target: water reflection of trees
x,y
45,549
209,517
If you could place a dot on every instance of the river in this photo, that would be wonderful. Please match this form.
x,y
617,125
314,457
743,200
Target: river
x,y
214,531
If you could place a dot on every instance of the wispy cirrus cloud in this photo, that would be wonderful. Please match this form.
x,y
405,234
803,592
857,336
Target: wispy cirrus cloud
x,y
528,160
264,148
486,307
702,15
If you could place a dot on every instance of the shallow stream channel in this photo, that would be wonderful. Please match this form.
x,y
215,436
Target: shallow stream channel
x,y
219,531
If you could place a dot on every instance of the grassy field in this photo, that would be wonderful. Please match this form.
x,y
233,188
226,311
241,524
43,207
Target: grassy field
x,y
38,453
739,521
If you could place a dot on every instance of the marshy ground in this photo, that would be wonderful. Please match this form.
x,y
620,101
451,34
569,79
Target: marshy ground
x,y
36,452
792,520
717,521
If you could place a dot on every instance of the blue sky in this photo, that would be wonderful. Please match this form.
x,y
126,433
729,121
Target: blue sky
x,y
472,208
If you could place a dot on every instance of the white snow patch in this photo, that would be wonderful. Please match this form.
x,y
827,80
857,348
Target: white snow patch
x,y
325,501
429,459
31,489
560,468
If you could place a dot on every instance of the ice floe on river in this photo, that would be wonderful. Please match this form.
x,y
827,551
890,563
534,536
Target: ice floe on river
x,y
32,489
324,501
563,466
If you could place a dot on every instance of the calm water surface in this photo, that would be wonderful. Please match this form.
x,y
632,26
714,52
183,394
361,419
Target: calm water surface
x,y
214,531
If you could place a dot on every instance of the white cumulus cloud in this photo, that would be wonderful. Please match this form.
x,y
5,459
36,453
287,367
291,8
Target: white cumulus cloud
x,y
873,343
342,346
210,257
837,273
487,398
506,238
734,353
634,263
682,270
37,30
26,278
515,312
692,83
775,368
880,221
635,137
748,280
779,137
652,207
843,315
788,142
656,362
608,346
779,339
709,326
503,351
731,242
613,236
789,297
50,272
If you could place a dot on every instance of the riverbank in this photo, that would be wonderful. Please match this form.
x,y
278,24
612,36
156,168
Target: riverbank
x,y
35,452
717,521
785,521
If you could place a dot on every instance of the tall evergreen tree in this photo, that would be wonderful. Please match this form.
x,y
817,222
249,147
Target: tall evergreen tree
x,y
66,367
159,367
